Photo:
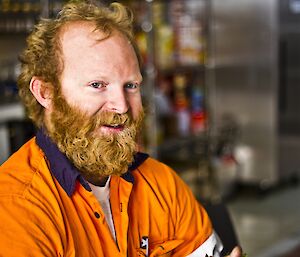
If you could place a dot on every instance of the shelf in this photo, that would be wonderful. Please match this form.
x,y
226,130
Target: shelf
x,y
17,22
182,69
12,111
191,149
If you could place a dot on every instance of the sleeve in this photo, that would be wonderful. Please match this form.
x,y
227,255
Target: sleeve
x,y
27,229
211,247
192,225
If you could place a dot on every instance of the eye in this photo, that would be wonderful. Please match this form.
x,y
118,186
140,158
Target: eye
x,y
97,84
132,86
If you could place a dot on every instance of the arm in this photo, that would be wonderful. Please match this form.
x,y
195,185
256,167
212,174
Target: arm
x,y
190,210
27,229
192,224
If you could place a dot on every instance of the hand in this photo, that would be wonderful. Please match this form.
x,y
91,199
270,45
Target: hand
x,y
236,252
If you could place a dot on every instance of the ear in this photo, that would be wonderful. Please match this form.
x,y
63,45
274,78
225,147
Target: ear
x,y
41,92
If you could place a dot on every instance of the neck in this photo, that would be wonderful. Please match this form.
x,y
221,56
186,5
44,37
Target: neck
x,y
98,181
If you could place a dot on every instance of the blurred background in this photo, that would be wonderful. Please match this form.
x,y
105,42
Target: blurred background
x,y
222,88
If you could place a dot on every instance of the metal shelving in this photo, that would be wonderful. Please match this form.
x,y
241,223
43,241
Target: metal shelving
x,y
172,38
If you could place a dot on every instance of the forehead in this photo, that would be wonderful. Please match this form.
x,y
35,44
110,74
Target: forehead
x,y
80,40
80,32
86,34
87,51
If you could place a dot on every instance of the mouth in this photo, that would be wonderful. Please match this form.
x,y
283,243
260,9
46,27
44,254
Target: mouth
x,y
112,128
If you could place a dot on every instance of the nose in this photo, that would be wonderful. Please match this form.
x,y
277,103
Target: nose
x,y
117,101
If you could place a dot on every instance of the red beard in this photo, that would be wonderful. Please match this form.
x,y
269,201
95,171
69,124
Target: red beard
x,y
96,156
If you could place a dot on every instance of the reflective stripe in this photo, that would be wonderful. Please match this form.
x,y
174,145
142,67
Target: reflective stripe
x,y
211,247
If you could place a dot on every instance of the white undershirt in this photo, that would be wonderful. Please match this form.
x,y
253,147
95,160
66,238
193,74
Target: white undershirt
x,y
103,194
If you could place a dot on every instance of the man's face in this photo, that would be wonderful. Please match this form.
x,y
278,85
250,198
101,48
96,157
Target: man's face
x,y
99,75
95,118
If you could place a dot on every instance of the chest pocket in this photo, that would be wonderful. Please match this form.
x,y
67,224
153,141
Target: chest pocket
x,y
164,249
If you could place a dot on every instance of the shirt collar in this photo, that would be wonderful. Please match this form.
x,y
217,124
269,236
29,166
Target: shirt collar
x,y
66,173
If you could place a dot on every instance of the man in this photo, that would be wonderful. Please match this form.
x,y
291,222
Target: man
x,y
80,187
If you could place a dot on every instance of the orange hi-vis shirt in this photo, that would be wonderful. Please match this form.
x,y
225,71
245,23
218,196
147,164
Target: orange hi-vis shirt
x,y
48,209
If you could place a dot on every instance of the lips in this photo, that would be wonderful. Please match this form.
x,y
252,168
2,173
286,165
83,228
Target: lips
x,y
112,128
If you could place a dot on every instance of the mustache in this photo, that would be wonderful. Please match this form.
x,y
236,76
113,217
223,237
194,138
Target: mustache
x,y
106,118
98,119
112,118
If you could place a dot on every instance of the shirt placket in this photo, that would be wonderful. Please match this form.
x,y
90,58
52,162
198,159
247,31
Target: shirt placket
x,y
109,245
120,191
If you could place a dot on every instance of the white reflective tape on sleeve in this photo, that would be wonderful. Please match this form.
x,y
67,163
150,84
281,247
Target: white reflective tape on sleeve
x,y
211,247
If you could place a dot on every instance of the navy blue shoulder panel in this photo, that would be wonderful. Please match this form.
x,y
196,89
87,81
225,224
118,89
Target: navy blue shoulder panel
x,y
139,158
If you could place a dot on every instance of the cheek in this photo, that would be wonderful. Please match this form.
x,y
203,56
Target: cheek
x,y
91,106
85,102
82,98
136,106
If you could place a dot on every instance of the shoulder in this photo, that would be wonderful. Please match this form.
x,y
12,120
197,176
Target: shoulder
x,y
22,169
162,185
162,179
152,169
29,213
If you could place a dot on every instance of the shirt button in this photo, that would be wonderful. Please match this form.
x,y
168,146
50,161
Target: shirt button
x,y
97,215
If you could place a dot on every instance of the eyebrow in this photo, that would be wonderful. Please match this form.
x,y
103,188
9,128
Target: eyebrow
x,y
140,79
136,78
